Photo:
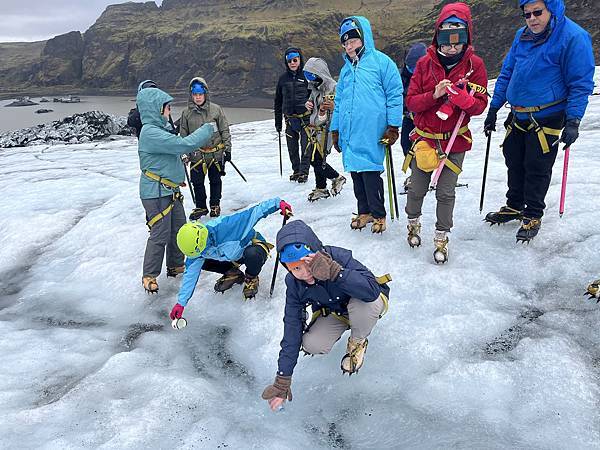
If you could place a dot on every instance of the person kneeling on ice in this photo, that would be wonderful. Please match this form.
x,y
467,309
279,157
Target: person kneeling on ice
x,y
343,294
221,246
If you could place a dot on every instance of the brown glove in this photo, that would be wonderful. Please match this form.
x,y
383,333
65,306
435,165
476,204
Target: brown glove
x,y
323,267
335,137
281,388
390,136
327,105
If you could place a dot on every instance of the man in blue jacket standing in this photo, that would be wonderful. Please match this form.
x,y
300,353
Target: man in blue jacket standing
x,y
368,108
546,77
342,293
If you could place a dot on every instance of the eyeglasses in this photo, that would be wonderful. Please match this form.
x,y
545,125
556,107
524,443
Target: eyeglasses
x,y
293,60
536,13
449,46
350,42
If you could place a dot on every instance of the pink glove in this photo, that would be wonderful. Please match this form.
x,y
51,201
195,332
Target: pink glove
x,y
459,96
285,208
176,312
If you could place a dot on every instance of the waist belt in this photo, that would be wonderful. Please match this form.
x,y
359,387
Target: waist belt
x,y
208,151
536,128
532,109
266,246
298,116
216,148
444,136
164,181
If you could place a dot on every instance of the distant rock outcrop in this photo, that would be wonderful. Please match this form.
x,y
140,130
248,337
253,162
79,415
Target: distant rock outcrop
x,y
76,129
61,60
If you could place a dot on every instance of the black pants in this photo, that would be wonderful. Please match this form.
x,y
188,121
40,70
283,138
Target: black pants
x,y
407,127
297,140
254,259
216,185
529,169
323,171
368,190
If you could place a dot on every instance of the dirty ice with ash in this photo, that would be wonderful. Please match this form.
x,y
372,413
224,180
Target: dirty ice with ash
x,y
496,349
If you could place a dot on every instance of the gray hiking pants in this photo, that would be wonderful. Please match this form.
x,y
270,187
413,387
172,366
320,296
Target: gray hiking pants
x,y
444,192
326,331
163,234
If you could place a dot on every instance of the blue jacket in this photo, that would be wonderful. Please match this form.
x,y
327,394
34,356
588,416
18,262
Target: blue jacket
x,y
159,150
354,281
368,99
560,67
228,236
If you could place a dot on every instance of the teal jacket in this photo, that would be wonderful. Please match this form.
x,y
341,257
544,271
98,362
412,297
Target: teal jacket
x,y
228,236
160,150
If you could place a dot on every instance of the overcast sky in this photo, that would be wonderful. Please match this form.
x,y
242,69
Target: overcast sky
x,y
36,20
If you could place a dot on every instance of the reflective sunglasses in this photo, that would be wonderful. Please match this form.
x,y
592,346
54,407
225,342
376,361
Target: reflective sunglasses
x,y
293,60
536,13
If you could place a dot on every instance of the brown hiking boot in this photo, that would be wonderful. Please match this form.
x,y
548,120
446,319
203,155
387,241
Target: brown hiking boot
x,y
361,221
229,279
197,213
215,211
250,287
174,271
150,284
378,225
355,355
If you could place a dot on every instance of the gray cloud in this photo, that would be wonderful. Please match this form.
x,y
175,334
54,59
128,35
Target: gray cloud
x,y
34,20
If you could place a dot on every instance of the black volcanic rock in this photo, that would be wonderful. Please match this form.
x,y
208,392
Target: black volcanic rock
x,y
61,60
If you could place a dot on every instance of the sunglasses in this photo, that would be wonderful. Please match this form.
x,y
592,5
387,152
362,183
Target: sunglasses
x,y
293,60
536,13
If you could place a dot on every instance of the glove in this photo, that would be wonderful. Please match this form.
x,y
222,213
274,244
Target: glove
x,y
459,96
176,312
445,111
281,388
185,158
390,136
327,105
570,132
285,208
323,267
335,137
227,156
489,124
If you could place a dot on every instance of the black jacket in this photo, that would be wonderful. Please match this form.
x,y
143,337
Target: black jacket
x,y
292,91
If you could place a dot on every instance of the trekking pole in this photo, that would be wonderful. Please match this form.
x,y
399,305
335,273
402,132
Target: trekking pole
x,y
187,177
285,218
238,171
389,147
280,157
563,189
485,167
389,180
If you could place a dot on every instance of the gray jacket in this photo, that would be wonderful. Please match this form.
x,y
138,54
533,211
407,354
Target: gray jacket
x,y
319,67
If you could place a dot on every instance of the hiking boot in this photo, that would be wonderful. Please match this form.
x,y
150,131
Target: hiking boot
x,y
150,284
250,287
337,184
215,211
197,213
294,176
414,229
302,178
440,240
229,279
593,290
506,214
355,355
174,271
378,225
529,229
318,194
361,221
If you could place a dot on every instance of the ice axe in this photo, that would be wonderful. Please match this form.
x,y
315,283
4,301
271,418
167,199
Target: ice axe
x,y
285,219
563,189
280,157
485,167
238,171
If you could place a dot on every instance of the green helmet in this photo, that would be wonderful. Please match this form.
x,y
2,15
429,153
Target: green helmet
x,y
191,239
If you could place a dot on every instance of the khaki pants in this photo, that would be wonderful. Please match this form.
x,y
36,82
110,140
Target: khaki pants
x,y
326,331
444,193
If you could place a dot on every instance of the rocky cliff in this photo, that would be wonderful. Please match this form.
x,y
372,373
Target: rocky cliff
x,y
236,45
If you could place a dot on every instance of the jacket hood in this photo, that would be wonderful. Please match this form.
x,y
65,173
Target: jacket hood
x,y
460,10
293,49
207,95
319,67
365,31
414,53
297,232
150,103
556,7
142,83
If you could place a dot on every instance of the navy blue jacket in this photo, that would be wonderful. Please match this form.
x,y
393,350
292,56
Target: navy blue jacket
x,y
354,281
560,67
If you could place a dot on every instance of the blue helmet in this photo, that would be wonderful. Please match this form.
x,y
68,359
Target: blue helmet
x,y
291,55
294,252
198,88
309,76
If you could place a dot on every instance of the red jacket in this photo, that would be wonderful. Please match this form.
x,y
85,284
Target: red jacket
x,y
429,72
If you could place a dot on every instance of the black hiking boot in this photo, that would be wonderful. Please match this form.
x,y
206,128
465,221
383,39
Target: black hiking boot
x,y
250,287
215,211
302,178
174,271
506,214
529,229
294,176
229,279
197,213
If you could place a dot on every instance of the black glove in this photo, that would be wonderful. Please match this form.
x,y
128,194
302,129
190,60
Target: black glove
x,y
227,156
490,121
570,132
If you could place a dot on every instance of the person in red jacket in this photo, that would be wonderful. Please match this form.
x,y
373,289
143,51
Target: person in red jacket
x,y
448,80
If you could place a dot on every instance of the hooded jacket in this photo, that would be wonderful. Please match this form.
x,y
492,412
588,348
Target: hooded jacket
x,y
292,91
318,93
368,99
430,71
228,236
560,67
194,116
158,149
354,281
